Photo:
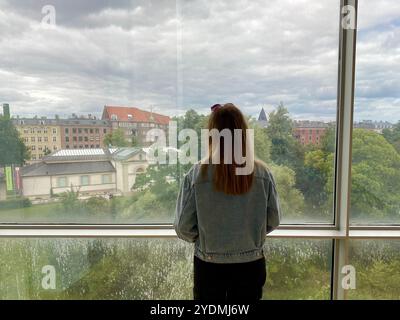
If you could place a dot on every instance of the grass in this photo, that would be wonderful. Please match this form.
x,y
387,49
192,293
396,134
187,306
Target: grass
x,y
36,213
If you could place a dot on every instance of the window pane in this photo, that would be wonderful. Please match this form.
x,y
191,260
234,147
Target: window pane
x,y
375,194
145,269
172,60
377,265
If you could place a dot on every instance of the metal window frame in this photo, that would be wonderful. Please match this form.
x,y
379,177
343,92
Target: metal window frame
x,y
340,232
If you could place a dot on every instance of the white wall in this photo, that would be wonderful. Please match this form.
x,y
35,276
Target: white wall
x,y
36,186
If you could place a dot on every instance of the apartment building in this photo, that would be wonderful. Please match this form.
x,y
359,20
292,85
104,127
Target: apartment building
x,y
41,136
83,133
309,132
135,122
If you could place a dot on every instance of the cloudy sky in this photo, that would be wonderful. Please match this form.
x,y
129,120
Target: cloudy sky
x,y
171,56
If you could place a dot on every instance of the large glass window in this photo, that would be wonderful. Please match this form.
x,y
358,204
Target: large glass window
x,y
277,60
145,269
375,195
377,265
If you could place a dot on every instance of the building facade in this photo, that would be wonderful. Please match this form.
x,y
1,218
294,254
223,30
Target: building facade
x,y
309,132
135,122
89,171
376,126
41,136
81,133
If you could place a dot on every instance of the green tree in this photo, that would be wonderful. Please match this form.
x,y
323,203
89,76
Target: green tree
x,y
12,147
262,143
393,136
116,139
285,149
375,176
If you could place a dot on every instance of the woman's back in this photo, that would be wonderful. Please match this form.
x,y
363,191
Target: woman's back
x,y
230,228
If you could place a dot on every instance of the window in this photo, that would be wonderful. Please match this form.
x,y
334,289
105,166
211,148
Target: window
x,y
375,195
32,139
106,178
54,130
84,180
61,182
147,269
67,139
376,263
66,131
288,63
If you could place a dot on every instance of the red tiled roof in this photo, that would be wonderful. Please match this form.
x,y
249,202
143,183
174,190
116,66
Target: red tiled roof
x,y
138,115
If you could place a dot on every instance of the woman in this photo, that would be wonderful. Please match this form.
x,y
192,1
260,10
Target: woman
x,y
227,215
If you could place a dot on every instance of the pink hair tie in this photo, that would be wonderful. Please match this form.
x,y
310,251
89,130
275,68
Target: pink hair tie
x,y
215,107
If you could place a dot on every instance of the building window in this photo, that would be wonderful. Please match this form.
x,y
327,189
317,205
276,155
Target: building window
x,y
74,130
66,131
32,139
106,178
61,182
84,180
46,139
114,117
54,139
66,139
54,130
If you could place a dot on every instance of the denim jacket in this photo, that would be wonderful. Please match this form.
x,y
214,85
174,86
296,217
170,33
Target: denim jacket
x,y
227,228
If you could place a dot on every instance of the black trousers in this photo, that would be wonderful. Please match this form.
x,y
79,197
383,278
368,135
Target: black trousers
x,y
229,281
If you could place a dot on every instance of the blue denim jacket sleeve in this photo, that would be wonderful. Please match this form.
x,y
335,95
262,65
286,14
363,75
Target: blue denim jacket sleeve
x,y
185,215
273,206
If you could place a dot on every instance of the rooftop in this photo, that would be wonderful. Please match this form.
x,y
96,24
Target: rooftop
x,y
133,114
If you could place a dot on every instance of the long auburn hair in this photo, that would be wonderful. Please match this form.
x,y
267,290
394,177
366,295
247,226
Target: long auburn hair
x,y
225,178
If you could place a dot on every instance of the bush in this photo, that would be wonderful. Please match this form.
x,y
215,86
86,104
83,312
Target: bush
x,y
15,203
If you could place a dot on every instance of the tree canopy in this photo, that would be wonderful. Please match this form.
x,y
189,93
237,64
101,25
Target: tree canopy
x,y
12,148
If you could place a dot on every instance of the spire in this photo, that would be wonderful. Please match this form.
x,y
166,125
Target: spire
x,y
262,116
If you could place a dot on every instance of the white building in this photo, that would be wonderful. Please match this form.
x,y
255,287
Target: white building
x,y
89,171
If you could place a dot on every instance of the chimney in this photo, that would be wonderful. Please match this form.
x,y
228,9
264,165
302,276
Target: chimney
x,y
6,110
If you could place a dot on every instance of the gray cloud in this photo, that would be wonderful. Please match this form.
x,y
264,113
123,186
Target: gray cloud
x,y
253,53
